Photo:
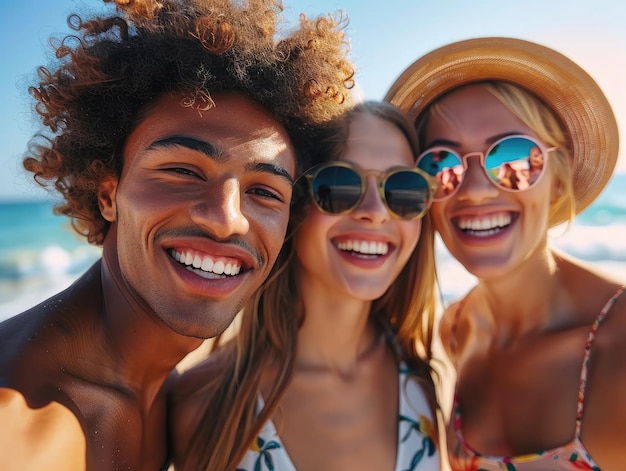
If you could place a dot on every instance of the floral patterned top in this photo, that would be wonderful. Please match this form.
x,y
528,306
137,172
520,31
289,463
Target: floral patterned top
x,y
572,456
416,436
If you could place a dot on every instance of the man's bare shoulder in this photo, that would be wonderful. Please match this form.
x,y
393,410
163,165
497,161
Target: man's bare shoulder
x,y
48,437
28,339
21,349
39,352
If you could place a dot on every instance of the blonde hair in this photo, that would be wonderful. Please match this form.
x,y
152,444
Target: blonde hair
x,y
267,338
535,114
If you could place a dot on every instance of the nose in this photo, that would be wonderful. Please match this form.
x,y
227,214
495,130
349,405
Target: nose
x,y
220,212
476,185
371,208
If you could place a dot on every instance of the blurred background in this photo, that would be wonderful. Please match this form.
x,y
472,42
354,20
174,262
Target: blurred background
x,y
39,254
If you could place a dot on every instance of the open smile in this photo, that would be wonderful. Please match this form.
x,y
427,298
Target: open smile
x,y
485,225
363,248
206,266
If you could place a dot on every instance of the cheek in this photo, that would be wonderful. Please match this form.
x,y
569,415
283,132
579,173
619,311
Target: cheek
x,y
269,227
541,196
411,231
269,223
537,210
140,210
437,211
312,234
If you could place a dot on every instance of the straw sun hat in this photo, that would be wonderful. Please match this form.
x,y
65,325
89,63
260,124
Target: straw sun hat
x,y
565,87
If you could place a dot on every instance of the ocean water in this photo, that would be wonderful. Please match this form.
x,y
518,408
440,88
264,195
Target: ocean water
x,y
40,254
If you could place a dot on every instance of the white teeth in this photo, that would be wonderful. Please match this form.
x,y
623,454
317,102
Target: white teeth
x,y
205,266
364,247
485,223
218,267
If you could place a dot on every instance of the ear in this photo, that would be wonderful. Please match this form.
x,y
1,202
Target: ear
x,y
106,198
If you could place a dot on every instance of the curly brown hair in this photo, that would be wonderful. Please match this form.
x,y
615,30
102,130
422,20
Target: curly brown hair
x,y
117,64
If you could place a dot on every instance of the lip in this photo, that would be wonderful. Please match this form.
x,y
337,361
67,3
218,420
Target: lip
x,y
485,221
218,250
472,227
220,286
382,247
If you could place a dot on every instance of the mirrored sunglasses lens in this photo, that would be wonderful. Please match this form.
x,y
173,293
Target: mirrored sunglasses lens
x,y
406,194
337,189
515,163
446,167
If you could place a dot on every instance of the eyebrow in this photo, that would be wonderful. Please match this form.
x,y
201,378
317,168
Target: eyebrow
x,y
489,141
271,168
204,147
214,152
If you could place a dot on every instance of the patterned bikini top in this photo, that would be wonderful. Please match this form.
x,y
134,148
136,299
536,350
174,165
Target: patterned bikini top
x,y
416,436
572,456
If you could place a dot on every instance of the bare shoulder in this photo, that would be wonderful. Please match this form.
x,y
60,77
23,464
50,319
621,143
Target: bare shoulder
x,y
22,352
612,333
48,437
49,336
447,325
605,408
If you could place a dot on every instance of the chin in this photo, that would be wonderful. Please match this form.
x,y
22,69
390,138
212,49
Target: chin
x,y
203,326
368,293
488,270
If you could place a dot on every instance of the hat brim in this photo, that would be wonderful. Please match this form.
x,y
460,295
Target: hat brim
x,y
565,87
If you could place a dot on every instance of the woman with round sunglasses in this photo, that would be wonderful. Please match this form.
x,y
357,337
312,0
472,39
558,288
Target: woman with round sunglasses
x,y
539,344
330,366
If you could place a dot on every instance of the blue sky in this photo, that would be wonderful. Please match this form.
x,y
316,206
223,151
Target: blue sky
x,y
385,36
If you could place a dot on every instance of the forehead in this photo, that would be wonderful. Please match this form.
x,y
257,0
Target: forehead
x,y
373,140
236,125
471,118
472,113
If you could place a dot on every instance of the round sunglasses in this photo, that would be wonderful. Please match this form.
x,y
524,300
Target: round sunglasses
x,y
338,187
513,163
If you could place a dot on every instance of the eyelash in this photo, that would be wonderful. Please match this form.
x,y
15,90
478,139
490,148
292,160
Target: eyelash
x,y
263,192
267,193
184,171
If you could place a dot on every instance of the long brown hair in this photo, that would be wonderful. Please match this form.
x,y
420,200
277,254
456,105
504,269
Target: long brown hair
x,y
267,338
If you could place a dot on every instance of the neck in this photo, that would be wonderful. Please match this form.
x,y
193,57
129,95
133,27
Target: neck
x,y
142,349
337,335
530,298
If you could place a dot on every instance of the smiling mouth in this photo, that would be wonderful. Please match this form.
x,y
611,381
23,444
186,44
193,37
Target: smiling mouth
x,y
205,266
363,248
484,226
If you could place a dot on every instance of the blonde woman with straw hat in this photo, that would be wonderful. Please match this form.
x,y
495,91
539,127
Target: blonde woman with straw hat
x,y
539,344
